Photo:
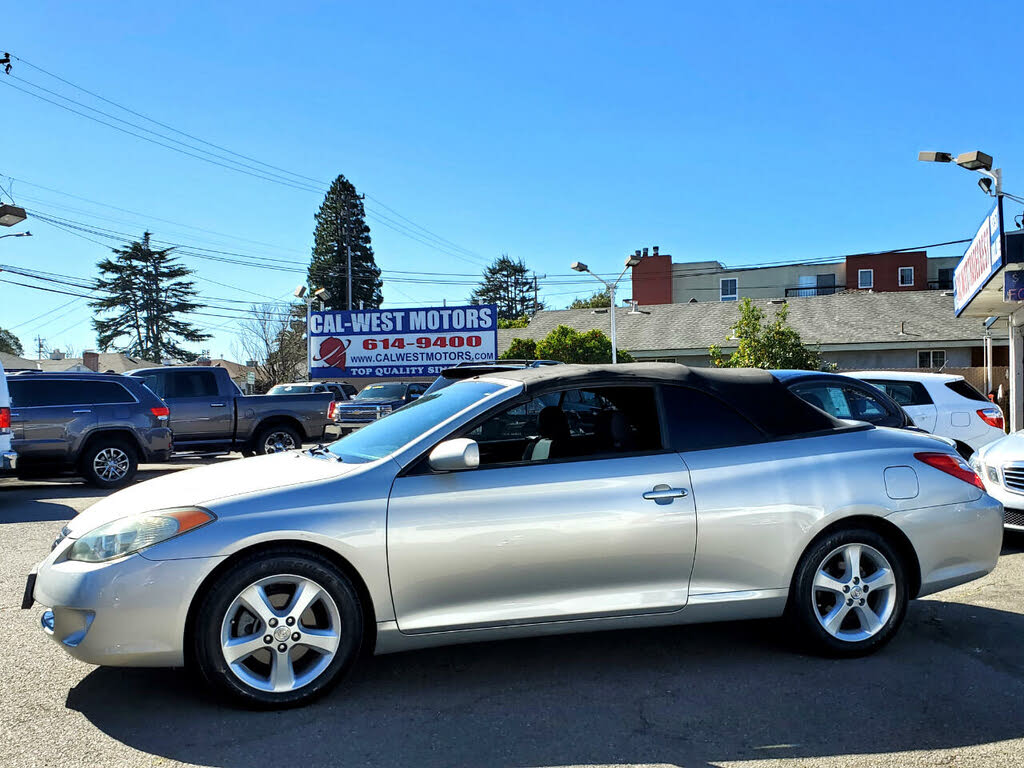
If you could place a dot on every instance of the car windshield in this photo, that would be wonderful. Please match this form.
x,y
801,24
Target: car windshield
x,y
291,389
392,391
384,437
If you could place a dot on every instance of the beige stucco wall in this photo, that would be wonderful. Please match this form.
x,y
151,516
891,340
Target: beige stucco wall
x,y
702,281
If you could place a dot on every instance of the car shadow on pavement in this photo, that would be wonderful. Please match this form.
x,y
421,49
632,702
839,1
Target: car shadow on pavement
x,y
36,511
683,696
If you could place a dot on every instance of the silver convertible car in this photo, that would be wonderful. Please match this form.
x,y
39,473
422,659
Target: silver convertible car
x,y
546,500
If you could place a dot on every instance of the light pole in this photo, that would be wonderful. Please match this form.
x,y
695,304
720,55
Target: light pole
x,y
16,234
11,215
301,293
631,261
970,161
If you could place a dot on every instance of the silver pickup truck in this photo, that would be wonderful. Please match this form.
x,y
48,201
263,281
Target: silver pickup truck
x,y
209,412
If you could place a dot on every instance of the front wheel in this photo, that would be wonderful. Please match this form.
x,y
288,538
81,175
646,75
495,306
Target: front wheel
x,y
278,630
850,593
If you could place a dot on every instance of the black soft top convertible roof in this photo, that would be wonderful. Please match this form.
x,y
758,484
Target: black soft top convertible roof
x,y
755,393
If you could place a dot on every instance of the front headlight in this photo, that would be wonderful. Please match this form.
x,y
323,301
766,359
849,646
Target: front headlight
x,y
975,462
130,534
385,409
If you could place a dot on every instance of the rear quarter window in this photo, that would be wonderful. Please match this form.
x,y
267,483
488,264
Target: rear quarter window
x,y
904,392
697,421
964,389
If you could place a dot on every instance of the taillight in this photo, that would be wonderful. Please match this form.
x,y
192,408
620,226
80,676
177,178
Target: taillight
x,y
331,409
5,418
161,412
992,416
952,465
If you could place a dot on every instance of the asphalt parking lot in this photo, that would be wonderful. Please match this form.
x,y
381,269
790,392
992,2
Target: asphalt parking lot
x,y
948,691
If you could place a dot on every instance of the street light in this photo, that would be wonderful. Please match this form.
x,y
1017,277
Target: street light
x,y
970,161
11,215
631,261
318,293
16,234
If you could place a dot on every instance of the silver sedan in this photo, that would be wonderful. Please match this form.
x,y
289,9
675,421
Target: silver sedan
x,y
549,500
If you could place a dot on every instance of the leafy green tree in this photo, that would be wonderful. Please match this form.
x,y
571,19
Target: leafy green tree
x,y
600,300
765,344
10,343
567,345
521,349
507,284
147,295
516,322
341,229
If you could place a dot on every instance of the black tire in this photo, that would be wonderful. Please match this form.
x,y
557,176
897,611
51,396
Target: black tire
x,y
109,462
855,634
247,453
266,434
212,613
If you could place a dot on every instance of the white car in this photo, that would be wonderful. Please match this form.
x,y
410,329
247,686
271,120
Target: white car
x,y
1000,465
8,458
942,404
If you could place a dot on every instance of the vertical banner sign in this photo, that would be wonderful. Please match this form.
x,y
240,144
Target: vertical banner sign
x,y
401,342
984,257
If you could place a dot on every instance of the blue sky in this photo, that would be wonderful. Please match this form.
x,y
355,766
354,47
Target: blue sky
x,y
554,132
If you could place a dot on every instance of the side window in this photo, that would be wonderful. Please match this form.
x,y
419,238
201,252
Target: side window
x,y
553,427
101,392
864,407
38,393
417,389
697,421
829,398
904,392
156,382
191,384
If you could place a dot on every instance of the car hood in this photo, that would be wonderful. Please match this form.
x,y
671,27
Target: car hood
x,y
203,485
1009,448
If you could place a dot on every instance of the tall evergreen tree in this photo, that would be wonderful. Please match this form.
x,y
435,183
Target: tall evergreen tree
x,y
146,293
10,343
508,284
341,226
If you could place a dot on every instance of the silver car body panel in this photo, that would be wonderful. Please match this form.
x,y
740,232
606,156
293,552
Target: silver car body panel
x,y
1002,472
524,550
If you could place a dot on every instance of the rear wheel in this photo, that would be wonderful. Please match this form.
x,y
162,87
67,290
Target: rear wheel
x,y
276,438
109,463
850,593
278,630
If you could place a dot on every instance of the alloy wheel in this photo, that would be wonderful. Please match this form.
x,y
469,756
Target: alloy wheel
x,y
854,592
279,441
280,633
111,464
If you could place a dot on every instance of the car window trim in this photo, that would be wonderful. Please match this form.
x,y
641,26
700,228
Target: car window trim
x,y
134,401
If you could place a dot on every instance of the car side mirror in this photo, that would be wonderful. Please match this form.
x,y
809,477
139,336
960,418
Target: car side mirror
x,y
414,396
453,455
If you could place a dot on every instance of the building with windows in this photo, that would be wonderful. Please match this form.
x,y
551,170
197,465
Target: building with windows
x,y
658,280
853,329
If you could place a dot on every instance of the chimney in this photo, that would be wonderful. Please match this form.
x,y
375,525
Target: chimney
x,y
645,253
654,251
637,253
91,360
56,355
204,361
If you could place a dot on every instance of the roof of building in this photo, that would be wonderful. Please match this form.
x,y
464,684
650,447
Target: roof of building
x,y
13,362
108,361
845,318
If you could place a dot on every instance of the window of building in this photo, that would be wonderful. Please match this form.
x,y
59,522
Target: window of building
x,y
931,358
730,289
906,276
945,281
865,278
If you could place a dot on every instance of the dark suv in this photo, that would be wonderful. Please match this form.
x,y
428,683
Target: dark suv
x,y
100,426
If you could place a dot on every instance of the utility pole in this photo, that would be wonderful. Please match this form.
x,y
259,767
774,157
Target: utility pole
x,y
40,347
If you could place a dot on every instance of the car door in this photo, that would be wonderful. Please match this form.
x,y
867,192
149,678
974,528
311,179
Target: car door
x,y
47,417
602,528
913,397
199,413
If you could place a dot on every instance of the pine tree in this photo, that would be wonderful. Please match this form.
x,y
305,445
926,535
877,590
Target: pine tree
x,y
507,284
341,226
147,295
10,343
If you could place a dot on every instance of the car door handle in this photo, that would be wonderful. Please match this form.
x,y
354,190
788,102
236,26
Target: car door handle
x,y
661,492
82,410
216,405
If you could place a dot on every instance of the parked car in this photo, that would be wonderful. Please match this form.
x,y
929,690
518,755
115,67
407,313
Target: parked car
x,y
700,495
943,404
373,402
846,397
469,369
209,413
311,387
97,425
1000,464
8,457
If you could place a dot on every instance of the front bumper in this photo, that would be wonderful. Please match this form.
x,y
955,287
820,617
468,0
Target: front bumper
x,y
8,462
955,543
126,613
1013,504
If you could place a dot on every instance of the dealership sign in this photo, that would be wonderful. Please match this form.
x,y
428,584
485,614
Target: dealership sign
x,y
984,257
400,342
